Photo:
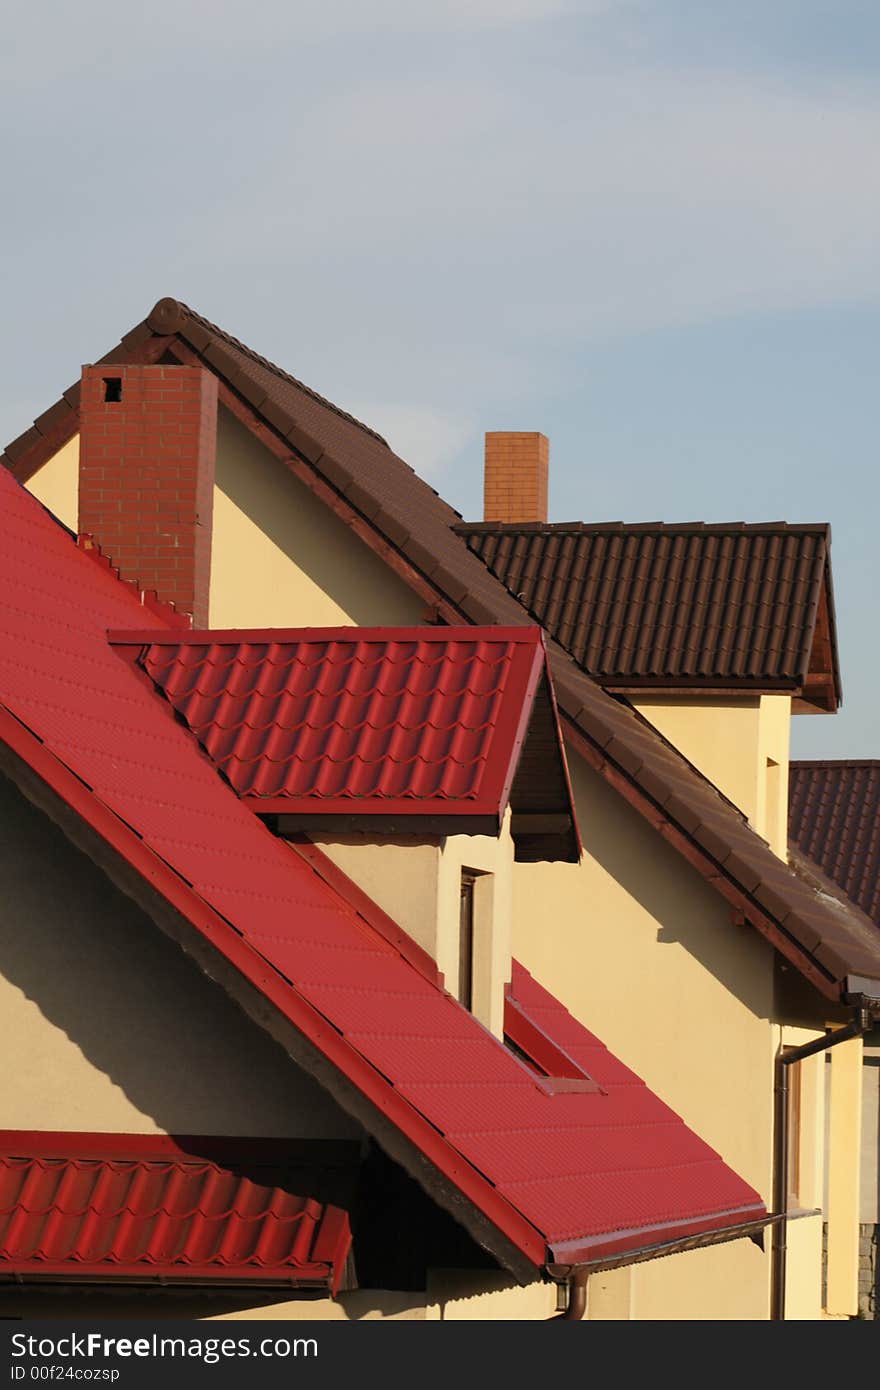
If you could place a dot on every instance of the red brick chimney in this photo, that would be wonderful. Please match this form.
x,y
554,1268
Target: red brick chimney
x,y
147,450
515,482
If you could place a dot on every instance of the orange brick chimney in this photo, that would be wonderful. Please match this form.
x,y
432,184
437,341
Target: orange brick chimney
x,y
147,451
515,482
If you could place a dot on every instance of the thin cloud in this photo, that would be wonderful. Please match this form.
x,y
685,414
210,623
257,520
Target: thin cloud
x,y
56,38
418,432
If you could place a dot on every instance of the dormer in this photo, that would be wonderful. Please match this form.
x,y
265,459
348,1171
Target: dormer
x,y
716,633
423,762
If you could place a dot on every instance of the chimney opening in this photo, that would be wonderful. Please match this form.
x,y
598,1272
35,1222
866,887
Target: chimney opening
x,y
113,389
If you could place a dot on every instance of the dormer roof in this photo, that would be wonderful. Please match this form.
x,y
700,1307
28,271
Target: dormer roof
x,y
399,730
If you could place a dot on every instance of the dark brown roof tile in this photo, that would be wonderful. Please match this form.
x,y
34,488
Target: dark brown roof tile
x,y
52,417
695,604
834,819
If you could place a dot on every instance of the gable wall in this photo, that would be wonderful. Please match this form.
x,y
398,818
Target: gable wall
x,y
741,743
56,483
106,1025
279,558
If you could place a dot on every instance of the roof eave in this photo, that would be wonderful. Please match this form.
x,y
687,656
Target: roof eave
x,y
569,1257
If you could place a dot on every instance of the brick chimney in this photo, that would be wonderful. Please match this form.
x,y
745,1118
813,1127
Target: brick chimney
x,y
515,482
147,452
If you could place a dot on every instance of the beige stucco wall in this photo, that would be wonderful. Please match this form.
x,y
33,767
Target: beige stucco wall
x,y
418,883
740,743
844,1145
807,1079
646,954
281,559
719,1284
106,1025
774,747
870,1185
56,483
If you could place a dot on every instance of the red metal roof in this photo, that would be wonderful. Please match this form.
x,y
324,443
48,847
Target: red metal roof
x,y
553,1174
133,1206
379,720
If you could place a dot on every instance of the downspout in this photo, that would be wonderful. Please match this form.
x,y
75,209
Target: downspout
x,y
785,1059
577,1298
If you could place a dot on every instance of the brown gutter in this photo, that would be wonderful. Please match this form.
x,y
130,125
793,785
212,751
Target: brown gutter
x,y
577,1298
576,1276
785,1059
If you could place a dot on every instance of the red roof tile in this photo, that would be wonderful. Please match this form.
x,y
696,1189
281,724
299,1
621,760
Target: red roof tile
x,y
112,1206
381,722
103,741
834,819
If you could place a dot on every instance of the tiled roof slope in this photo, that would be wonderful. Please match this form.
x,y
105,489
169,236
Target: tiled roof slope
x,y
705,605
834,819
101,737
382,722
408,517
138,1207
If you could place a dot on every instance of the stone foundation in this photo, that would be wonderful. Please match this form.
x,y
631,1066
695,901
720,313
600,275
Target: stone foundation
x,y
869,1272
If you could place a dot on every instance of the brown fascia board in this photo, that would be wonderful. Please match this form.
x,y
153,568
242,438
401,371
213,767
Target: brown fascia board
x,y
659,783
828,590
733,528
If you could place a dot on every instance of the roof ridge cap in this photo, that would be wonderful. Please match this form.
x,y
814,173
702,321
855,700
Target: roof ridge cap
x,y
646,527
834,762
171,315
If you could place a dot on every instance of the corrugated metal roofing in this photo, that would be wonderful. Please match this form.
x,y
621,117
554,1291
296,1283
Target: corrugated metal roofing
x,y
355,465
111,1206
834,819
380,720
359,1001
713,605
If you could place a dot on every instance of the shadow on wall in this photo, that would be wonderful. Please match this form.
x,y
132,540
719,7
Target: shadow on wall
x,y
170,1049
159,1304
686,910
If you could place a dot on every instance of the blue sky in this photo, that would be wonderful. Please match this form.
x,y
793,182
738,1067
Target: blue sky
x,y
649,228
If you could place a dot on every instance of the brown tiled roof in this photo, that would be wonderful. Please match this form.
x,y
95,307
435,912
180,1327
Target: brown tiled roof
x,y
392,509
834,819
712,606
